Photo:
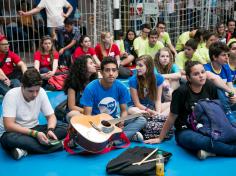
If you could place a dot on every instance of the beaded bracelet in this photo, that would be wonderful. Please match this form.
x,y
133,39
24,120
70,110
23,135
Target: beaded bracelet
x,y
33,133
36,134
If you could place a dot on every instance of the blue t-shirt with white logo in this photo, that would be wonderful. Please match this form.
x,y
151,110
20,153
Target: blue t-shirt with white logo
x,y
133,83
233,74
225,72
105,100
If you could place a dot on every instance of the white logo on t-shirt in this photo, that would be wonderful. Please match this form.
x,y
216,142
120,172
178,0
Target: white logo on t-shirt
x,y
112,54
107,105
8,59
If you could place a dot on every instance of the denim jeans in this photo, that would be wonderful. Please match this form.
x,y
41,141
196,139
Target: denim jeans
x,y
11,140
134,125
195,141
44,70
65,58
4,88
224,100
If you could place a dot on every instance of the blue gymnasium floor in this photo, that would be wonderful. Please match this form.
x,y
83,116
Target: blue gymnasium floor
x,y
61,163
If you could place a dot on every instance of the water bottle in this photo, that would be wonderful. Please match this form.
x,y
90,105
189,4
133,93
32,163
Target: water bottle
x,y
160,164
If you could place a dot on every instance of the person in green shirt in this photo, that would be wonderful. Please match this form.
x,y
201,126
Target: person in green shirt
x,y
209,38
141,40
164,36
189,53
232,45
183,38
152,46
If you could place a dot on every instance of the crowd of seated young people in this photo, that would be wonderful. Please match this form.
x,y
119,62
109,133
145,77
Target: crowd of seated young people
x,y
159,68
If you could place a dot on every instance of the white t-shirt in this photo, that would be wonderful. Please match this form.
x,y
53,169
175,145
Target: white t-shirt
x,y
25,113
170,6
54,10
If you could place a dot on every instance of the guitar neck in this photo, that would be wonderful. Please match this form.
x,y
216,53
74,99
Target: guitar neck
x,y
117,120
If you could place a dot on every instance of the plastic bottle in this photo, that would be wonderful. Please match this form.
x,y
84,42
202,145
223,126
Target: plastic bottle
x,y
160,164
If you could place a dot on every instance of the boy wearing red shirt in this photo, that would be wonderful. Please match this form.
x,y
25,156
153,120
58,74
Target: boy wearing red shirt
x,y
8,61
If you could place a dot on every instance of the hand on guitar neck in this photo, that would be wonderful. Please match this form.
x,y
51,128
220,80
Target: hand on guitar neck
x,y
121,124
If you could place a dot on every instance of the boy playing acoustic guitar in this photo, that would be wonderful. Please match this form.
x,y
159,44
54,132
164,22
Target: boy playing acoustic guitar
x,y
104,96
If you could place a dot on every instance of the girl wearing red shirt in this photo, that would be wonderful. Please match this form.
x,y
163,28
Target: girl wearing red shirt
x,y
46,58
107,47
86,49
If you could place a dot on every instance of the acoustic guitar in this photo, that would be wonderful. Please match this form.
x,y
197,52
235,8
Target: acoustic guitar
x,y
94,133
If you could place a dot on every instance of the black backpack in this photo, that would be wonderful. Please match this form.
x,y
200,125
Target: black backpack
x,y
123,164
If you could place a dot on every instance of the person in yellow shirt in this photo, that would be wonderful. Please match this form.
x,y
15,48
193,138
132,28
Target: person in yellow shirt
x,y
141,40
164,36
189,53
183,38
209,38
152,46
232,45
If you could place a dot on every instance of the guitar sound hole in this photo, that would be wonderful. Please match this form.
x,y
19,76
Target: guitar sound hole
x,y
105,123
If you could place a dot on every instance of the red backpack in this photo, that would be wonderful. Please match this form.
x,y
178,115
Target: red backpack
x,y
57,81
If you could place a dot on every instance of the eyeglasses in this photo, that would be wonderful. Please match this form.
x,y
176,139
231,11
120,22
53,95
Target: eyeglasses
x,y
6,44
161,27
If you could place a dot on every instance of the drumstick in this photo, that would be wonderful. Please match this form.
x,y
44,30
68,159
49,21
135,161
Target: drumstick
x,y
147,161
141,162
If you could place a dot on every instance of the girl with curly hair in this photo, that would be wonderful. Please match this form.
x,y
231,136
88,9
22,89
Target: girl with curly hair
x,y
146,89
81,73
46,58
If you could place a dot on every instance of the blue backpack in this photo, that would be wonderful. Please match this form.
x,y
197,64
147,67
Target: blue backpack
x,y
208,118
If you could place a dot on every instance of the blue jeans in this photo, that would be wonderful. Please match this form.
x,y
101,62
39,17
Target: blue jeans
x,y
225,101
134,125
230,109
4,88
44,70
65,58
195,141
11,140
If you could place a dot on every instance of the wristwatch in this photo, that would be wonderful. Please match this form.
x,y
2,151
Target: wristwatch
x,y
50,129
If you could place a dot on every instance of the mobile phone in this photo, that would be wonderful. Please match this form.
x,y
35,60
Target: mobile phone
x,y
53,142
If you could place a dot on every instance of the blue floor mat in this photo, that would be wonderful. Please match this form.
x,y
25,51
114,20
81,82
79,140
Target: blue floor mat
x,y
182,163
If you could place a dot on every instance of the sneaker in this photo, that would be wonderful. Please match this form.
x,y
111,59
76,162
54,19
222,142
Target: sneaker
x,y
18,153
72,144
138,137
202,154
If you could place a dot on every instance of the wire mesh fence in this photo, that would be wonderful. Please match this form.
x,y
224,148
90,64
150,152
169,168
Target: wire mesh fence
x,y
95,16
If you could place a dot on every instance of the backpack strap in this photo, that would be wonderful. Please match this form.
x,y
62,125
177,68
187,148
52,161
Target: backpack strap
x,y
4,60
